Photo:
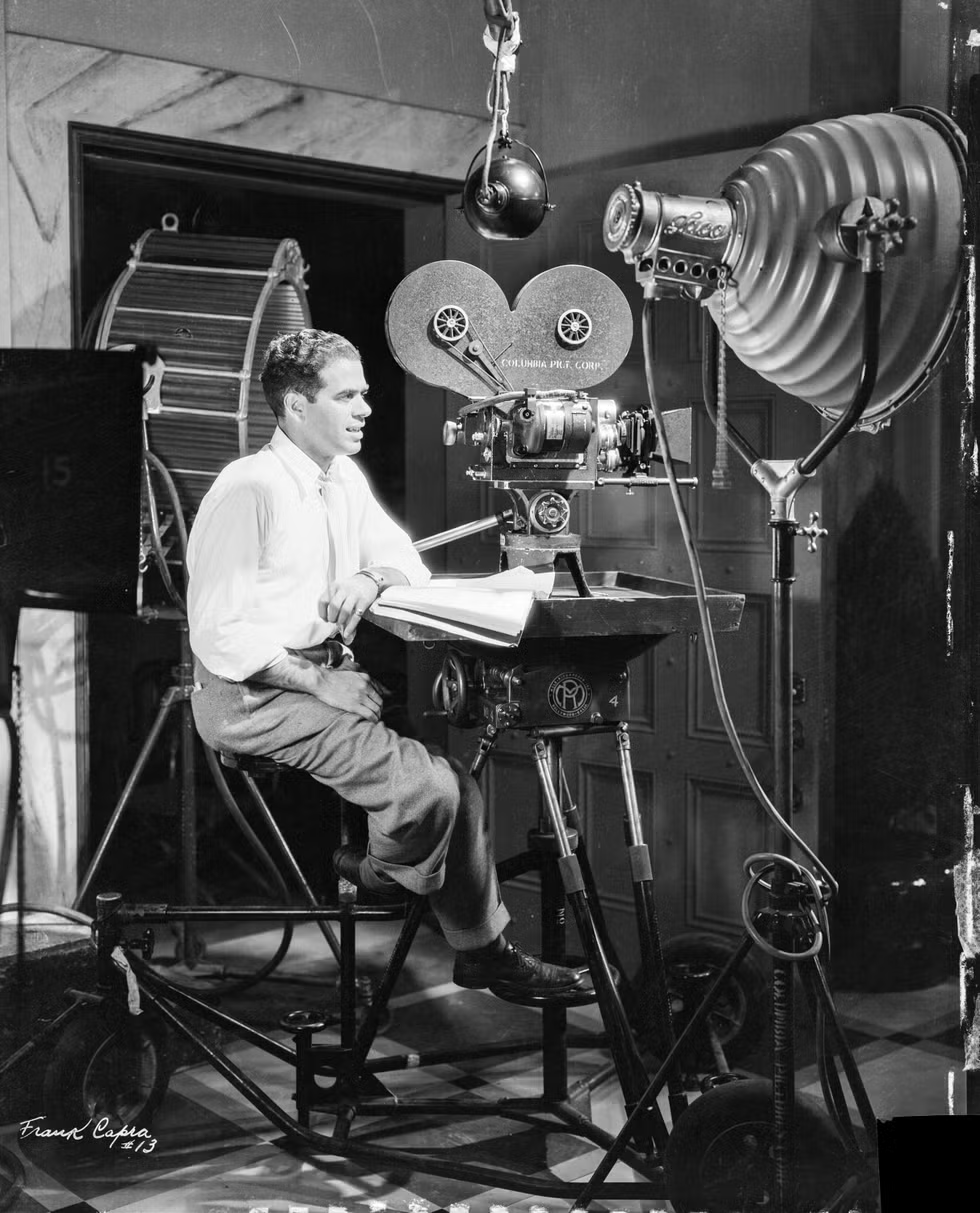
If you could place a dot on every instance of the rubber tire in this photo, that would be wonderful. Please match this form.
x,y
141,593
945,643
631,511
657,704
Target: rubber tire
x,y
742,1020
107,1063
714,1163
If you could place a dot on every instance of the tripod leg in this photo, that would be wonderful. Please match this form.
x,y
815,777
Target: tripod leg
x,y
818,981
166,703
188,825
654,975
554,1045
615,1151
574,562
629,1065
627,992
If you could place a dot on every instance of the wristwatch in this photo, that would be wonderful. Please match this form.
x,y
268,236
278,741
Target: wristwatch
x,y
376,577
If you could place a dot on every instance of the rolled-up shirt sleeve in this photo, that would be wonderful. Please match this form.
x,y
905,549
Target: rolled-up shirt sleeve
x,y
223,559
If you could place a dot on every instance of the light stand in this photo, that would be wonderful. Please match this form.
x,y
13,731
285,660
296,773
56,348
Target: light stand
x,y
782,481
789,885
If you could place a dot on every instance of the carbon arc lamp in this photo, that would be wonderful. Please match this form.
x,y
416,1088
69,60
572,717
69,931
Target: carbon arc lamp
x,y
777,253
832,262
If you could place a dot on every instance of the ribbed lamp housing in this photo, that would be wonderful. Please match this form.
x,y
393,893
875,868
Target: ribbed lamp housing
x,y
793,313
210,305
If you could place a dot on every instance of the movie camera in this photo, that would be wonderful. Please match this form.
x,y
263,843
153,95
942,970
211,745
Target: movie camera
x,y
534,430
536,433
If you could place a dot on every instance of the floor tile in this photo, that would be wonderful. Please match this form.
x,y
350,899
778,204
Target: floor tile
x,y
898,1081
921,1011
217,1152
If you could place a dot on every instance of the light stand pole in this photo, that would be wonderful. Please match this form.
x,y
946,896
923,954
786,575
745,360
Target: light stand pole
x,y
783,480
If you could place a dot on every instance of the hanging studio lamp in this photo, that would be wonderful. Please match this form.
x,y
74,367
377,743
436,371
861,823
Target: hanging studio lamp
x,y
506,199
776,253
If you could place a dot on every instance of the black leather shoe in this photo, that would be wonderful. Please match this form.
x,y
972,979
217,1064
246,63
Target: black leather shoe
x,y
347,862
514,972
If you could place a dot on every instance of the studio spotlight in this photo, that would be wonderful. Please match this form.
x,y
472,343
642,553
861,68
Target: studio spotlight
x,y
832,264
506,199
777,256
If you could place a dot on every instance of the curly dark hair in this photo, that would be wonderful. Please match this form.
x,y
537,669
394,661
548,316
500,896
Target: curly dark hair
x,y
293,362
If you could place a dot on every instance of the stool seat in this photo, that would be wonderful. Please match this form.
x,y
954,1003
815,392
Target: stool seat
x,y
251,764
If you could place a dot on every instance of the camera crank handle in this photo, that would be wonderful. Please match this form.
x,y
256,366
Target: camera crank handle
x,y
502,518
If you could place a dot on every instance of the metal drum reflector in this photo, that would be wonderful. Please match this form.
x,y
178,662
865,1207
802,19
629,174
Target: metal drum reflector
x,y
210,305
790,314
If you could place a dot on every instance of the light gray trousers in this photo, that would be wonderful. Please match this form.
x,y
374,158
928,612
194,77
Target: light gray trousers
x,y
427,823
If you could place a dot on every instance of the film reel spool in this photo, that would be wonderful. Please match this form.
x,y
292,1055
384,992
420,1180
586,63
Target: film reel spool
x,y
438,305
571,327
575,327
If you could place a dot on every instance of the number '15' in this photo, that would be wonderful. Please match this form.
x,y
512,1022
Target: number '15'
x,y
56,471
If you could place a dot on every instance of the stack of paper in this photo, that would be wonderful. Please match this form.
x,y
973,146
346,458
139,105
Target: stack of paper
x,y
491,610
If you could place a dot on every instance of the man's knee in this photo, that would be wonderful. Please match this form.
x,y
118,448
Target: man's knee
x,y
470,797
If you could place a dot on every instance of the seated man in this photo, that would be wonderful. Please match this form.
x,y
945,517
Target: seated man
x,y
288,550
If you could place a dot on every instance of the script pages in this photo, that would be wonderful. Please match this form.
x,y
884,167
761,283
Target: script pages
x,y
491,610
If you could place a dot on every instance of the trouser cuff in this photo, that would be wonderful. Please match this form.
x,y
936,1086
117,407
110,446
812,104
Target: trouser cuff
x,y
404,874
466,939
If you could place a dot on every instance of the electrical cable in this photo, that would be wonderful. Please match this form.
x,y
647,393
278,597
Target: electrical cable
x,y
818,916
700,591
30,907
152,461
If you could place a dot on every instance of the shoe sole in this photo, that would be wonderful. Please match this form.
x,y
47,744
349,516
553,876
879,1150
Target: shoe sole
x,y
512,988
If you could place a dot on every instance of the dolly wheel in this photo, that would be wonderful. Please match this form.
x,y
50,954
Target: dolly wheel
x,y
719,1155
107,1066
740,1014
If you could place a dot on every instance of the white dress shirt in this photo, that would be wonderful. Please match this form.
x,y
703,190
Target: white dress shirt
x,y
271,535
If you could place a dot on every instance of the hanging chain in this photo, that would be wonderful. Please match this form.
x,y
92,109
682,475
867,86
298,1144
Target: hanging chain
x,y
505,48
720,478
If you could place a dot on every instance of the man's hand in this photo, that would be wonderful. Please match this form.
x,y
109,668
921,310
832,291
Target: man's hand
x,y
351,691
347,601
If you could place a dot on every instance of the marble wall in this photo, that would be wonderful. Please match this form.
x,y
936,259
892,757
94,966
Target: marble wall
x,y
50,84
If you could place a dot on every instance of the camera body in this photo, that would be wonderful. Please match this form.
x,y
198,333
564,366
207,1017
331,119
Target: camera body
x,y
569,442
547,688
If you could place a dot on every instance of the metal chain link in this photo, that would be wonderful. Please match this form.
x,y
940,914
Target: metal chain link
x,y
498,92
720,477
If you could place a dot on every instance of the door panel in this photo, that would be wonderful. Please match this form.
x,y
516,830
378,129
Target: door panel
x,y
723,828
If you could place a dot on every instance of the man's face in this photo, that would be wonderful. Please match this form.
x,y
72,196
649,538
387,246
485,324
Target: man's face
x,y
333,421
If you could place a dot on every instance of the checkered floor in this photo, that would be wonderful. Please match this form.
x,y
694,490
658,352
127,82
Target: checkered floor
x,y
215,1153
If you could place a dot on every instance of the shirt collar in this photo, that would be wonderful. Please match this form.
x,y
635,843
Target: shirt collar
x,y
306,471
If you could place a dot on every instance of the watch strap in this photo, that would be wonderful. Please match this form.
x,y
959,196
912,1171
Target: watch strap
x,y
376,577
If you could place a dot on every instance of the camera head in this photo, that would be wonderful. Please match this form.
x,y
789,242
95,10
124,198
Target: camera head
x,y
530,422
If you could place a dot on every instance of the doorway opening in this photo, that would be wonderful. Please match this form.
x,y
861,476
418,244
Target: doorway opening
x,y
355,228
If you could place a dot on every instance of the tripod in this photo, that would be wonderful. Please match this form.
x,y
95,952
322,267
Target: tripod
x,y
176,698
560,833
